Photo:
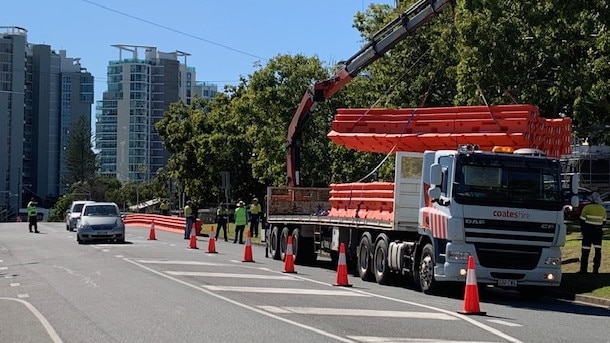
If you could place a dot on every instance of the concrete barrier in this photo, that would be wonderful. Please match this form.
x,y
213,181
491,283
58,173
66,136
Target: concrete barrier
x,y
163,223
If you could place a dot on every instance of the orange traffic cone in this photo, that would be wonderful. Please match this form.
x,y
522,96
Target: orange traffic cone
x,y
342,268
193,241
151,235
248,250
471,293
212,242
289,260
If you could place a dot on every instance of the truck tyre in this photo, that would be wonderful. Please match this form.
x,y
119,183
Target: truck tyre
x,y
425,275
380,260
274,243
296,248
283,242
363,257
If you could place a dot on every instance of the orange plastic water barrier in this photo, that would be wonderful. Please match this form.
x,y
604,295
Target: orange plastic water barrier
x,y
373,200
419,129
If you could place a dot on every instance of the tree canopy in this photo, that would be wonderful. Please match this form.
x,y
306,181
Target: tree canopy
x,y
554,54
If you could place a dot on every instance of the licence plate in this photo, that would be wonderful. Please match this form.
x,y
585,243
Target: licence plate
x,y
101,233
507,283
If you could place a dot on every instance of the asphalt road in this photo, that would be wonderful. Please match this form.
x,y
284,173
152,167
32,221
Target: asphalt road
x,y
55,290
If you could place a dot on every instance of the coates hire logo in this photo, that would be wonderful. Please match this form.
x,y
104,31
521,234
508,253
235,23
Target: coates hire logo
x,y
512,214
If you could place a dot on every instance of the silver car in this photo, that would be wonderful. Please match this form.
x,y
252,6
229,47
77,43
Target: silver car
x,y
73,213
100,221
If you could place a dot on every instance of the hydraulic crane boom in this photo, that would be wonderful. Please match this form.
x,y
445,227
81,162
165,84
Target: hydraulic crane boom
x,y
381,42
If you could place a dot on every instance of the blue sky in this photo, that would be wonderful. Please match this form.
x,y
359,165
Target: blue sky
x,y
225,38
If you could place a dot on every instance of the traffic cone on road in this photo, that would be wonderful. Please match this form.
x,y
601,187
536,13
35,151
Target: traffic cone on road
x,y
248,249
151,235
289,260
471,293
193,241
212,242
342,269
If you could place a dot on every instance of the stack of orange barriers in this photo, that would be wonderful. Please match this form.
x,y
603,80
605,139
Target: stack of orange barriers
x,y
435,128
374,200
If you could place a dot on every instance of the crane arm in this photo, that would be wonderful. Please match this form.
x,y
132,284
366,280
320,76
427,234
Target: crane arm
x,y
381,42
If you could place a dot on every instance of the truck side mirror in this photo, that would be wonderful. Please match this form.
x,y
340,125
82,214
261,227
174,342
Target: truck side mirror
x,y
436,174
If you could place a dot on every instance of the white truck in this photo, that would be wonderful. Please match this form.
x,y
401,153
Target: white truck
x,y
503,208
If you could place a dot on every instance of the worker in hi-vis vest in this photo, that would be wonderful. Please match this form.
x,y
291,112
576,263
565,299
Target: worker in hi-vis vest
x,y
592,220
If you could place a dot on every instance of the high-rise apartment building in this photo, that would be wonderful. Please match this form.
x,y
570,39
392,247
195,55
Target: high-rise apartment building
x,y
141,86
42,92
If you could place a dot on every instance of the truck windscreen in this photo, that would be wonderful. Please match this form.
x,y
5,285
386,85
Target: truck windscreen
x,y
507,180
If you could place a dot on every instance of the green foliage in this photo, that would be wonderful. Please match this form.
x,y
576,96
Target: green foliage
x,y
554,54
58,212
79,158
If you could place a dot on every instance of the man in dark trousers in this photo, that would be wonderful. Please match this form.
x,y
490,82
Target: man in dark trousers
x,y
592,220
222,216
33,215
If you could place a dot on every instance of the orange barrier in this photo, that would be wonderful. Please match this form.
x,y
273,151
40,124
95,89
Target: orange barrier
x,y
370,200
164,223
435,128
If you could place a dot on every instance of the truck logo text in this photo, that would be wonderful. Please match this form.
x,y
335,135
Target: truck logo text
x,y
512,214
474,221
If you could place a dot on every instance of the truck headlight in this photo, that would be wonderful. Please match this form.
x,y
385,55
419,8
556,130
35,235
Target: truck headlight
x,y
553,261
458,255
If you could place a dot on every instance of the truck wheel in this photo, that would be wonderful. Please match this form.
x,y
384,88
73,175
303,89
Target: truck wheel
x,y
380,260
283,242
363,256
274,243
425,275
296,248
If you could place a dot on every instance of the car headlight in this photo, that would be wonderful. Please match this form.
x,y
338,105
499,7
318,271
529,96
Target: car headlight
x,y
458,255
553,261
84,228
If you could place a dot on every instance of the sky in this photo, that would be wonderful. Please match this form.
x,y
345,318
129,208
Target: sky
x,y
225,39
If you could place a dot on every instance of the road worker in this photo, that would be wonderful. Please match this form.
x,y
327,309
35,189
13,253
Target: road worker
x,y
255,216
33,215
592,220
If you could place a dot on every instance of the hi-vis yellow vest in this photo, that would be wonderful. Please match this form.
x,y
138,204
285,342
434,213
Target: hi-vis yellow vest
x,y
594,214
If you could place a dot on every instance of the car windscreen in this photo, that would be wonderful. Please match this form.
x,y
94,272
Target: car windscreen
x,y
101,210
78,207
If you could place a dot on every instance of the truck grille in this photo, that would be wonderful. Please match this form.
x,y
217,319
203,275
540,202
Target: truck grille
x,y
508,244
524,257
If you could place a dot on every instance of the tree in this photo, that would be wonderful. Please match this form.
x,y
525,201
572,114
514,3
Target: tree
x,y
79,157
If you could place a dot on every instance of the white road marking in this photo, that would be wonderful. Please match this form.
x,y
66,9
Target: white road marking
x,y
231,275
251,308
15,284
21,296
186,263
272,290
45,323
105,250
119,256
366,313
503,322
1,261
274,309
370,339
3,268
